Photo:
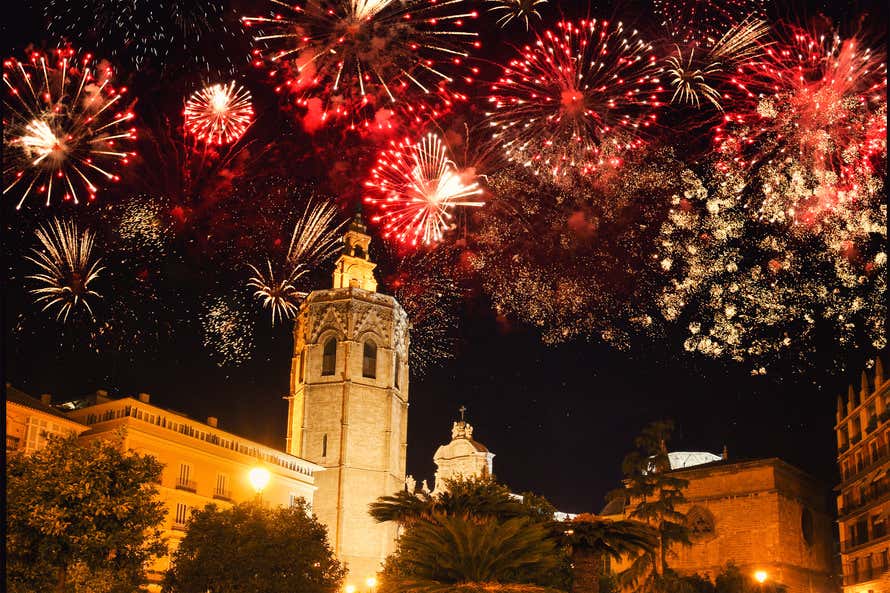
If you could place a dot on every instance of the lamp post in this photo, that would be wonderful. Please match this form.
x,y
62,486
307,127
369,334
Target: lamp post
x,y
371,583
349,589
259,479
760,576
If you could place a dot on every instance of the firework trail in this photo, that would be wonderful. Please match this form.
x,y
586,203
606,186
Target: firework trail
x,y
508,11
360,60
316,237
701,74
415,186
66,268
219,114
577,100
65,127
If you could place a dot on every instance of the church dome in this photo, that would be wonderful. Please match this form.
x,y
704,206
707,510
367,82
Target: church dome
x,y
682,459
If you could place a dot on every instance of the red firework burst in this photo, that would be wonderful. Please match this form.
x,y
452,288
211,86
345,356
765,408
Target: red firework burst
x,y
64,126
814,103
219,114
577,99
416,185
360,61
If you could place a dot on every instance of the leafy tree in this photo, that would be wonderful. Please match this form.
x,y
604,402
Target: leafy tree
x,y
654,495
81,518
461,552
249,548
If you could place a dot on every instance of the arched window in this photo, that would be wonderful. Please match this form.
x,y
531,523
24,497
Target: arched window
x,y
369,360
324,445
329,357
397,370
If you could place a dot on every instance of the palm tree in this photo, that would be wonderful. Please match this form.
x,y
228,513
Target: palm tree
x,y
590,539
479,497
468,554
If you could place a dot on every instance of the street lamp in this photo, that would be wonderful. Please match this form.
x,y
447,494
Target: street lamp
x,y
349,589
371,582
760,576
259,479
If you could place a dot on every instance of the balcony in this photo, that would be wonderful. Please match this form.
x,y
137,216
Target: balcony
x,y
187,485
220,494
852,545
877,492
864,575
177,526
882,454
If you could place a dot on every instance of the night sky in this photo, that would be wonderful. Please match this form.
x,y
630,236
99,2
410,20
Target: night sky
x,y
558,418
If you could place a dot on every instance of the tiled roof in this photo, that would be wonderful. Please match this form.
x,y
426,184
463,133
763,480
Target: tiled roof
x,y
20,397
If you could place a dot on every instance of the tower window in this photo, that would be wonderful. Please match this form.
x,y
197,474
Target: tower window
x,y
324,446
302,358
397,369
329,357
369,360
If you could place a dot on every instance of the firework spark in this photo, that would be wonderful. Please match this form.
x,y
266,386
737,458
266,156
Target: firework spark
x,y
316,237
416,186
64,126
219,114
703,22
227,331
66,268
515,10
577,100
427,285
354,59
759,300
144,31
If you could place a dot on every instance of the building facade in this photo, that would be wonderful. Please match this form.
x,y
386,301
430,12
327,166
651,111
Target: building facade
x,y
30,420
348,403
202,463
863,495
761,515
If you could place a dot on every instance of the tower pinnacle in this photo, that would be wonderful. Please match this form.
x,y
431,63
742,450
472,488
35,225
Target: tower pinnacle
x,y
354,267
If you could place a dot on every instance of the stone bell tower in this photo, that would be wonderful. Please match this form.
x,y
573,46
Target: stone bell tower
x,y
348,403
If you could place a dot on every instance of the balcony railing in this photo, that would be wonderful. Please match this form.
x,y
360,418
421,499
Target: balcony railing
x,y
858,542
220,494
188,485
177,526
865,574
881,454
875,492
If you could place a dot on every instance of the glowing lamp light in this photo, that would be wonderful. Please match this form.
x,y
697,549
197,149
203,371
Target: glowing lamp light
x,y
371,582
259,478
760,576
349,589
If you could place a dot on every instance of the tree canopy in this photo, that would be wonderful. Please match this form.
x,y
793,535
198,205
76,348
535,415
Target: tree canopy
x,y
250,548
81,518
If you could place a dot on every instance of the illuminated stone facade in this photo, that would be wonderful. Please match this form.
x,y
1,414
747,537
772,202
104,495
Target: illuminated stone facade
x,y
761,515
348,404
463,457
863,496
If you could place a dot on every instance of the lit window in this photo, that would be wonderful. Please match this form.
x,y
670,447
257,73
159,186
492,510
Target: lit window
x,y
369,360
329,357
